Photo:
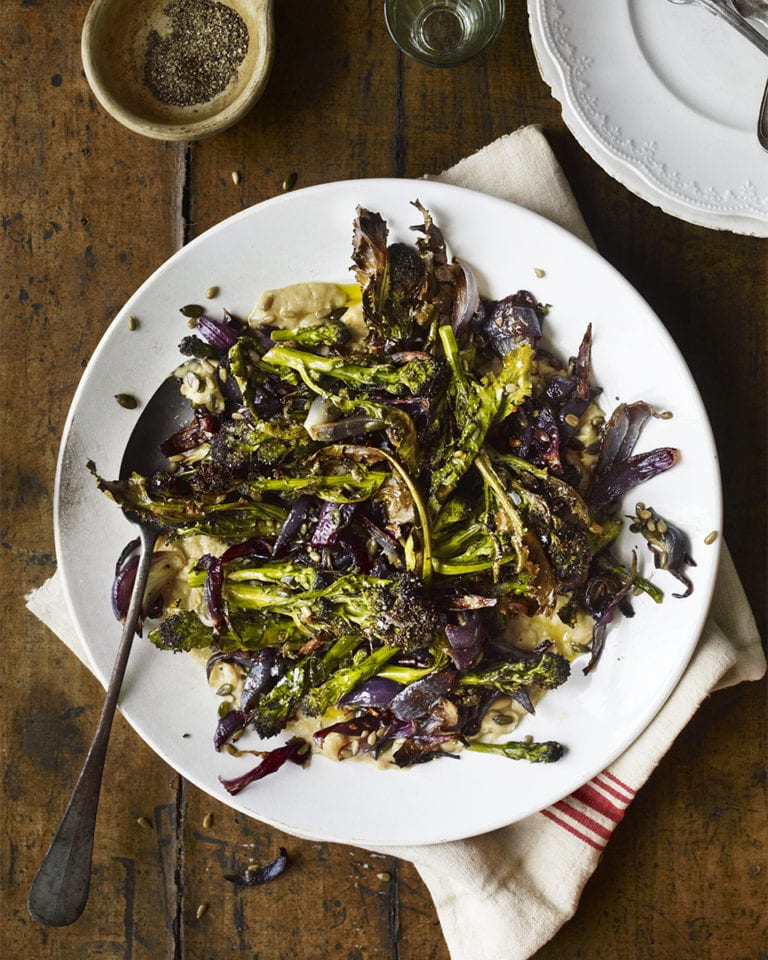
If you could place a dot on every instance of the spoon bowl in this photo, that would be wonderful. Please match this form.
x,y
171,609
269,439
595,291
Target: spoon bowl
x,y
117,44
60,889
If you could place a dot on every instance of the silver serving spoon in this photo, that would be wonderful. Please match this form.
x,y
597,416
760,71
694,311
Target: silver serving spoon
x,y
59,891
757,10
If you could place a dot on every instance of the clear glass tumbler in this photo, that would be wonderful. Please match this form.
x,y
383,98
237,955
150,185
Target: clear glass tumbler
x,y
443,33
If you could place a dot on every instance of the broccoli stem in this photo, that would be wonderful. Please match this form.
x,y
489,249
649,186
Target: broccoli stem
x,y
477,406
339,488
274,709
418,503
549,670
510,511
548,751
607,563
320,698
405,675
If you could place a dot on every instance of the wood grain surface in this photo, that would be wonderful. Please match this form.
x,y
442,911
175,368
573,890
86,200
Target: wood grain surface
x,y
89,211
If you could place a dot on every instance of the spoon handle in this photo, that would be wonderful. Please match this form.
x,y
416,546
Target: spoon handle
x,y
59,891
762,120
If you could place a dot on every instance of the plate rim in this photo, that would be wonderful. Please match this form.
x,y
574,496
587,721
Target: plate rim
x,y
400,184
638,181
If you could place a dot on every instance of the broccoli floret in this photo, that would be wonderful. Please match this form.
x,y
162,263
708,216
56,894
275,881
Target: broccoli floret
x,y
331,333
568,548
244,445
549,670
550,751
413,619
182,632
422,375
310,598
212,478
193,346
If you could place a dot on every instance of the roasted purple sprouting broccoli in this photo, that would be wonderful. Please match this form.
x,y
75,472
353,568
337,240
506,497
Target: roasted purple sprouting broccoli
x,y
383,507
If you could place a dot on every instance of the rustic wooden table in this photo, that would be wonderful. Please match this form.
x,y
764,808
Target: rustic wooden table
x,y
89,211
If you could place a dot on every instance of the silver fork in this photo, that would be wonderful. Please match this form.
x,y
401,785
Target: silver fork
x,y
757,10
729,12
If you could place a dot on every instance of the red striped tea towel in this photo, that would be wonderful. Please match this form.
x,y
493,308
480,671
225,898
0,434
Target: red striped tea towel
x,y
591,812
503,895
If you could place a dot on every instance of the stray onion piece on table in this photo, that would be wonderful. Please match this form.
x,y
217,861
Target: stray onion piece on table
x,y
390,517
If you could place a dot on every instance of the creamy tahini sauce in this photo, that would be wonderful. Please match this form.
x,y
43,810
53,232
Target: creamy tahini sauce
x,y
528,632
200,384
309,303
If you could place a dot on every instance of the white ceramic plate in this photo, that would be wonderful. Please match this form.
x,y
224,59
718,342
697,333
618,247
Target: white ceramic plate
x,y
307,235
665,97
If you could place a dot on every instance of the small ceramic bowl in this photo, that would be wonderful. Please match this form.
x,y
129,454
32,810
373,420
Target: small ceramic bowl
x,y
124,41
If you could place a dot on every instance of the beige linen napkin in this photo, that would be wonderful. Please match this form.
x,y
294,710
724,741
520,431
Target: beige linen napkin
x,y
503,895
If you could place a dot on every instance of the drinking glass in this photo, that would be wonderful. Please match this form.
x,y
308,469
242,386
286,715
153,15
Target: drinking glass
x,y
443,33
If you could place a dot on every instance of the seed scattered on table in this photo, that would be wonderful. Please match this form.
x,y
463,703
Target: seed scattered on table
x,y
201,910
384,877
200,54
144,822
208,821
235,177
290,181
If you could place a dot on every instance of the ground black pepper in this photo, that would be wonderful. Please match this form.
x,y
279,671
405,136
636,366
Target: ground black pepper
x,y
199,57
